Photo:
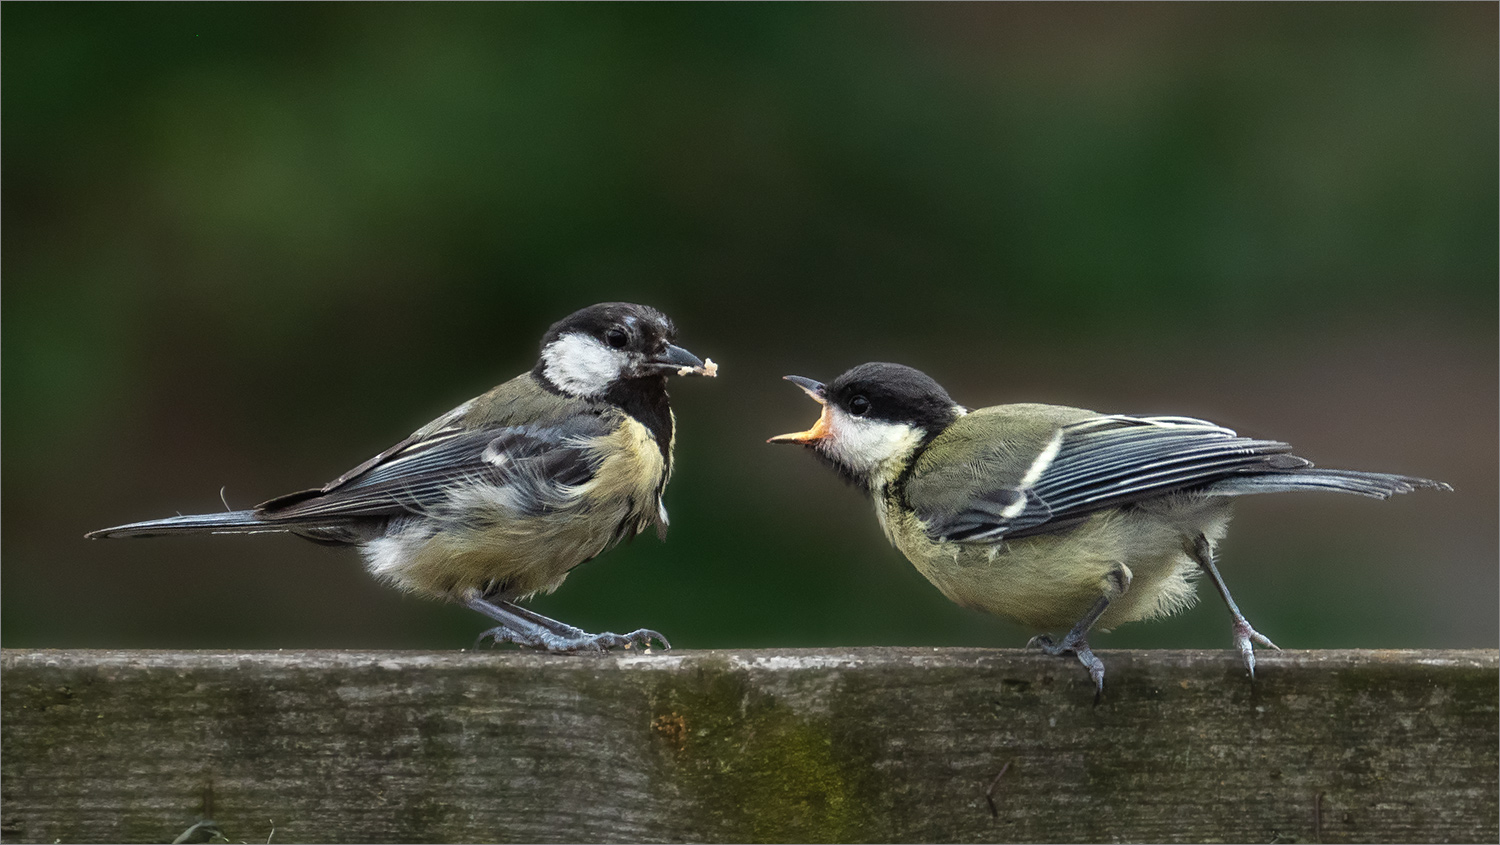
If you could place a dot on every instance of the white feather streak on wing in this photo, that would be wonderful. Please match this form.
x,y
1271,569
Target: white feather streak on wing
x,y
1181,422
414,479
524,485
1104,467
1113,462
1167,478
1107,461
423,480
1015,508
525,490
1042,462
1124,420
1123,462
1118,451
494,456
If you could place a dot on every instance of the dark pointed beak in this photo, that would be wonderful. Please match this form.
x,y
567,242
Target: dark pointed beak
x,y
675,358
820,429
815,389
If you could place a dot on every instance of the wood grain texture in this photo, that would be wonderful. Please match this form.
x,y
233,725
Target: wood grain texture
x,y
750,746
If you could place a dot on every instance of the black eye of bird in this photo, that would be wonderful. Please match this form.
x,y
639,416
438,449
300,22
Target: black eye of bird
x,y
858,405
616,338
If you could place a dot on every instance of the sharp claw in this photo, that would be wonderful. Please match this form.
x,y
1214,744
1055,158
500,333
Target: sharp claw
x,y
497,635
1077,642
1080,648
607,641
1095,666
1244,636
1043,642
644,636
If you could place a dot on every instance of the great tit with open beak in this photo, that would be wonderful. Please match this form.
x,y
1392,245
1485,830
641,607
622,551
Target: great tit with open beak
x,y
501,497
1055,516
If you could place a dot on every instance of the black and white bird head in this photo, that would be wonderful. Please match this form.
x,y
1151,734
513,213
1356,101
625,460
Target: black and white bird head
x,y
875,416
604,346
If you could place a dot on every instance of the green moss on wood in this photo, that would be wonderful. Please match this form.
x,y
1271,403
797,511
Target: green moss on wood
x,y
758,771
854,745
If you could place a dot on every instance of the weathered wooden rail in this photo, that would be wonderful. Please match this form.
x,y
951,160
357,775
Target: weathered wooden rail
x,y
848,745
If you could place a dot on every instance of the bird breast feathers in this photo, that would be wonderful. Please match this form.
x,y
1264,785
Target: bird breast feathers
x,y
633,469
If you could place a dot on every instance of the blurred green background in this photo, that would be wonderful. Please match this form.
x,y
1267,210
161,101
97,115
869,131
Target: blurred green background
x,y
247,246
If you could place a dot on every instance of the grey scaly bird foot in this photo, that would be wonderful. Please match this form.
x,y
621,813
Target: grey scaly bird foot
x,y
1244,636
501,634
640,636
570,640
1080,648
534,631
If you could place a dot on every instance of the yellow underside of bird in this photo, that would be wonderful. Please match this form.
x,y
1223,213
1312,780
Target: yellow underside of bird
x,y
1024,581
493,545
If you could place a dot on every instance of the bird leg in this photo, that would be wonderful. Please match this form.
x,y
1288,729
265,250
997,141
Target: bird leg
x,y
1244,635
533,630
1076,641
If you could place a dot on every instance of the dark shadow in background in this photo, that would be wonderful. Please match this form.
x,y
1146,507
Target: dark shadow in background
x,y
251,245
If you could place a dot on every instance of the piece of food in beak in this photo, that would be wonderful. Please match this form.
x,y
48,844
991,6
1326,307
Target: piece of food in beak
x,y
709,369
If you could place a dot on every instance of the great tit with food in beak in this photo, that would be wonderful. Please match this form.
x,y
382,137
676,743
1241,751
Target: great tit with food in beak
x,y
501,497
1055,516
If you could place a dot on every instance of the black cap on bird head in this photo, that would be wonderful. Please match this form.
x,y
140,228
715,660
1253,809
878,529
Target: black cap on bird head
x,y
597,320
599,347
895,393
873,414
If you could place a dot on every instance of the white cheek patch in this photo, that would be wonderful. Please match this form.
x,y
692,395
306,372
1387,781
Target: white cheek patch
x,y
863,445
581,366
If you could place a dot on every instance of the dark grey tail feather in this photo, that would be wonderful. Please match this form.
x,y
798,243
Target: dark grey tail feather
x,y
1377,485
230,522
